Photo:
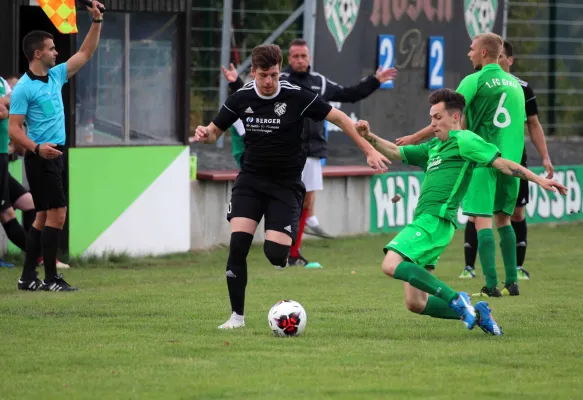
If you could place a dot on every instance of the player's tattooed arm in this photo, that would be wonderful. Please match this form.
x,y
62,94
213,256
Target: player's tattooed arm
x,y
513,169
386,148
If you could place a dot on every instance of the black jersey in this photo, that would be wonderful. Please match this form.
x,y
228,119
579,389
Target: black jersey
x,y
529,98
530,106
273,127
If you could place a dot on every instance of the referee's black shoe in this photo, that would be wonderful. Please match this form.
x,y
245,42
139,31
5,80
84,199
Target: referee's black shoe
x,y
32,285
57,284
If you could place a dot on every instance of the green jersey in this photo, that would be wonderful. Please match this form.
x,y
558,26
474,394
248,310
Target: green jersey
x,y
495,109
448,169
4,91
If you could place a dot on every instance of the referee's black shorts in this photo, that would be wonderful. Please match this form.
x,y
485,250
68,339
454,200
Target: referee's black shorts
x,y
523,194
16,189
279,201
46,179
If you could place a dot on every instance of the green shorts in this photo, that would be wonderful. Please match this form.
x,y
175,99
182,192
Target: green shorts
x,y
490,192
423,240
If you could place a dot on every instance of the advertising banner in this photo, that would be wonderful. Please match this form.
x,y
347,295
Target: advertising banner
x,y
389,215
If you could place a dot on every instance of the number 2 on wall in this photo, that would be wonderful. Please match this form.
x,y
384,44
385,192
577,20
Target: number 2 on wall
x,y
436,51
386,56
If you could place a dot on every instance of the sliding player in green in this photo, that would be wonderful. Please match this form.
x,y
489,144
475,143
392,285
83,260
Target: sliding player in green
x,y
449,161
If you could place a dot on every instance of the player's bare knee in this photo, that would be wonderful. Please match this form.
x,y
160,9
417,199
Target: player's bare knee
x,y
56,217
518,214
40,220
7,215
276,253
415,305
24,202
501,219
390,263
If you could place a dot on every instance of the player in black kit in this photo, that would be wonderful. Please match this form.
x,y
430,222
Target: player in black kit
x,y
269,183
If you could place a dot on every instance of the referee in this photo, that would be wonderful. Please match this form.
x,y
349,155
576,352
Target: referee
x,y
37,100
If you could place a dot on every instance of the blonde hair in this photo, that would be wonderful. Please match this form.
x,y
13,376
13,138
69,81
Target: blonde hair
x,y
492,42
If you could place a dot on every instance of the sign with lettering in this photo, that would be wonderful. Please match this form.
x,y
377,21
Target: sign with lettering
x,y
389,213
401,29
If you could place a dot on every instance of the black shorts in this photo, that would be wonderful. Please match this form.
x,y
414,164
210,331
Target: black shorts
x,y
523,194
15,189
4,191
46,181
281,202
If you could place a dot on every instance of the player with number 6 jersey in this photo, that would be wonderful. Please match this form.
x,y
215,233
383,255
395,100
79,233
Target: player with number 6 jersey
x,y
495,111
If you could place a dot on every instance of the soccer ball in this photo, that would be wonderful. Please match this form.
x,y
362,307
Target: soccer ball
x,y
287,318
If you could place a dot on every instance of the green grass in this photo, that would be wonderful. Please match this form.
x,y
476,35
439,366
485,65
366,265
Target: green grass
x,y
146,328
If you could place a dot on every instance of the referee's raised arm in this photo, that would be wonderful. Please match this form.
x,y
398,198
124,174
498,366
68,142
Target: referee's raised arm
x,y
79,59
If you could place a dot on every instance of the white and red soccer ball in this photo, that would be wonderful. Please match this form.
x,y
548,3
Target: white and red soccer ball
x,y
287,318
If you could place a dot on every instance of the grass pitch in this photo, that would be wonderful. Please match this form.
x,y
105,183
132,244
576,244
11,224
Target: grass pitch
x,y
146,329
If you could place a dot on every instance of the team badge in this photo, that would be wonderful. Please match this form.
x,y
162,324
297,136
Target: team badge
x,y
341,17
280,108
480,16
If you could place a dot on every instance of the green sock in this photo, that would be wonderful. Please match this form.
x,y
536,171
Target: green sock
x,y
420,278
487,252
438,308
508,247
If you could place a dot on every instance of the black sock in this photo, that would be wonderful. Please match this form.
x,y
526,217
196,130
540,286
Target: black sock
x,y
470,244
50,246
33,249
520,231
237,269
28,217
15,233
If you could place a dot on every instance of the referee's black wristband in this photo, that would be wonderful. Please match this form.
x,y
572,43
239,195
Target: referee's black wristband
x,y
36,149
97,21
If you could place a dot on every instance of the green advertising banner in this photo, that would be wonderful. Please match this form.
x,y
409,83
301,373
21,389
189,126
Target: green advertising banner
x,y
389,215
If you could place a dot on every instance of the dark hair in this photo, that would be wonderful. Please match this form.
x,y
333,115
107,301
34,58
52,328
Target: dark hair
x,y
266,56
34,41
298,42
453,101
508,48
13,76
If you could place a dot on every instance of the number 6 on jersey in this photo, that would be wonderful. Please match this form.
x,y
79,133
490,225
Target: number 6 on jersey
x,y
436,50
386,56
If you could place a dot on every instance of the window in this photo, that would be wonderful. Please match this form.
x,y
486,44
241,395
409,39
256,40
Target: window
x,y
127,93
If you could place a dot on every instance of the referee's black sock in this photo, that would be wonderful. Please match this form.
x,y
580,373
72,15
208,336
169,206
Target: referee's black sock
x,y
237,269
28,218
470,244
50,245
520,229
33,249
15,233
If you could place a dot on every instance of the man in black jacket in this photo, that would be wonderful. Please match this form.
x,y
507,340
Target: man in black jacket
x,y
299,73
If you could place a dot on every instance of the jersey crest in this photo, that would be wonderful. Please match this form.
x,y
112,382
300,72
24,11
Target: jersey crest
x,y
280,108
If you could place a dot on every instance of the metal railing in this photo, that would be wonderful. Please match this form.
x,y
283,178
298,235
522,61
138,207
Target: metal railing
x,y
252,21
548,48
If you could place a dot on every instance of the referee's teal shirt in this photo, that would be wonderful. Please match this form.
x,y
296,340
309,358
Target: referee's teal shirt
x,y
39,99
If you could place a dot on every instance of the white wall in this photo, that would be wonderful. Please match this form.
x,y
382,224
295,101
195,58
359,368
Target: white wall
x,y
342,209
